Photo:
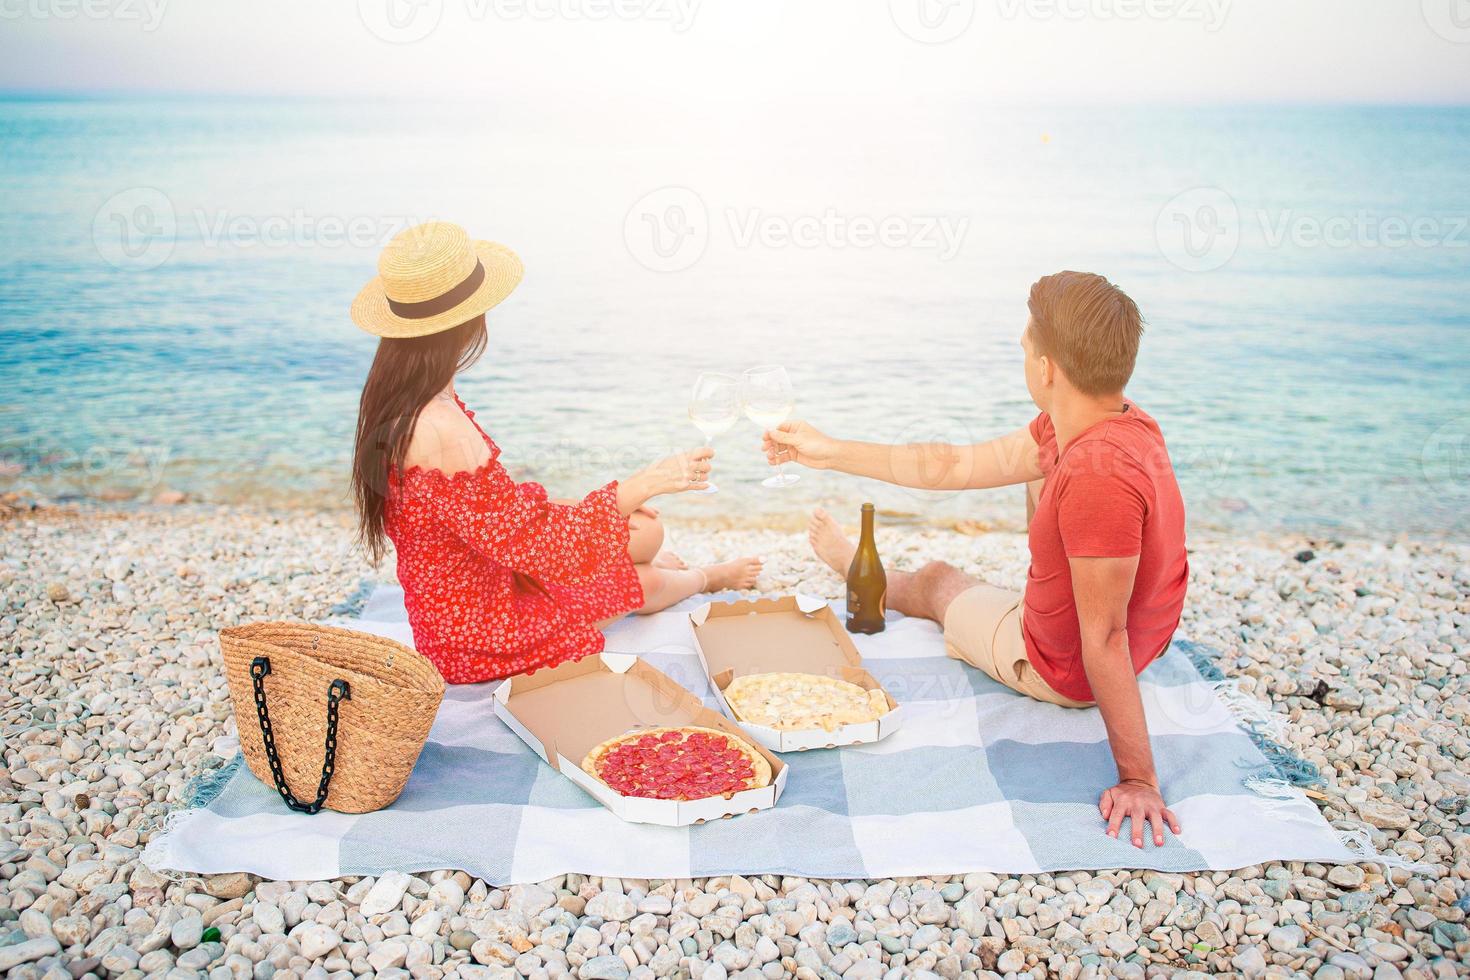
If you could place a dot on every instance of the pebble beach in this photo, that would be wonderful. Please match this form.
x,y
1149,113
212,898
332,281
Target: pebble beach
x,y
115,699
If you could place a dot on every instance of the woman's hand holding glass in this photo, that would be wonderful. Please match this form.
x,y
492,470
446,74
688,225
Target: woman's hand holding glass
x,y
678,473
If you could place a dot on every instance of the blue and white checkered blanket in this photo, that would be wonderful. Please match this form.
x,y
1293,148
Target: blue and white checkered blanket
x,y
977,779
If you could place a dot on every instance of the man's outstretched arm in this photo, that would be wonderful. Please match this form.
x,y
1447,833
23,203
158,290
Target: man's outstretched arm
x,y
1102,587
1001,462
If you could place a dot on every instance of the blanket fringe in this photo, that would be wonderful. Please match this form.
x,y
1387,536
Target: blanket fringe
x,y
1280,782
199,792
1265,727
1360,842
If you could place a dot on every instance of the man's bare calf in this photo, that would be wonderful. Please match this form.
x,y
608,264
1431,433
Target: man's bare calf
x,y
926,593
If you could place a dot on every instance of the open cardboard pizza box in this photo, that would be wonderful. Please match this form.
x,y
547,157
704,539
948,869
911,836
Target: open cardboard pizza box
x,y
564,712
791,634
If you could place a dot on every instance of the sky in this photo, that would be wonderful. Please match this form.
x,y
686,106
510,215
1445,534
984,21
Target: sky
x,y
1137,51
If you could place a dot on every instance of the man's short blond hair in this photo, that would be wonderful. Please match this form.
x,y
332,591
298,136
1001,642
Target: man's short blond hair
x,y
1089,327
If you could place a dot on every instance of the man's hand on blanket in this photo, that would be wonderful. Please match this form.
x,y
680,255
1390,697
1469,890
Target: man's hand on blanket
x,y
1139,801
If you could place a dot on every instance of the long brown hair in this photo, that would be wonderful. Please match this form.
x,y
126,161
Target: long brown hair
x,y
406,374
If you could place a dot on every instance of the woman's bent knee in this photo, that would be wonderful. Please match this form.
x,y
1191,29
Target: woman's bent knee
x,y
645,538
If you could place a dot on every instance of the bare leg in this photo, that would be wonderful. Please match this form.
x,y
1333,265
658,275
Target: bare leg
x,y
663,587
926,593
667,579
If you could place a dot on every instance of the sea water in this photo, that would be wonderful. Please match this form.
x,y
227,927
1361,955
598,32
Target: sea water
x,y
175,277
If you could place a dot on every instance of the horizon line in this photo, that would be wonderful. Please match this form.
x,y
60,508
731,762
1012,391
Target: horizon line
x,y
172,95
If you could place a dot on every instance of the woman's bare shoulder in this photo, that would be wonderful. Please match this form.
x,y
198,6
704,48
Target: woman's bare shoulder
x,y
445,439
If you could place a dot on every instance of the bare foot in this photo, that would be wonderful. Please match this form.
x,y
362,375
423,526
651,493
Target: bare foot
x,y
667,559
829,543
738,574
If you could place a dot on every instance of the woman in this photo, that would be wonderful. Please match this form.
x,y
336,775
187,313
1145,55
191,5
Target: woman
x,y
498,580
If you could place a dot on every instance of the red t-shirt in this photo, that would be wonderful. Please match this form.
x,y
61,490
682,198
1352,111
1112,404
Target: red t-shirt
x,y
1112,494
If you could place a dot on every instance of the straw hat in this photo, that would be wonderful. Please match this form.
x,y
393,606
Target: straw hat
x,y
432,277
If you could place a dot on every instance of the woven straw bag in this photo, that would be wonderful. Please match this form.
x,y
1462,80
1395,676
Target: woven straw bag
x,y
330,717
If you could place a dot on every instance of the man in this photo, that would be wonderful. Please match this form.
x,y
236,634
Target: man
x,y
1108,566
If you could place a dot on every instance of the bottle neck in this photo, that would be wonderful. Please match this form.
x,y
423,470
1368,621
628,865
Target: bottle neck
x,y
867,524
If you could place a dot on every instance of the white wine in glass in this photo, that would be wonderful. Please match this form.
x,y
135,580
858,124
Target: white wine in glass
x,y
769,401
714,408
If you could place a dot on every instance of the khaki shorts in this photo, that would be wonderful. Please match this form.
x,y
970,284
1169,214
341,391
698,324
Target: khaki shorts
x,y
982,627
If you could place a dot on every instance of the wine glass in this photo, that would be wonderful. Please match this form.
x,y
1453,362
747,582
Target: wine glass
x,y
769,401
714,408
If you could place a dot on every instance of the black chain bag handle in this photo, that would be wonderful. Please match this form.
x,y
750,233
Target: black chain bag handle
x,y
337,692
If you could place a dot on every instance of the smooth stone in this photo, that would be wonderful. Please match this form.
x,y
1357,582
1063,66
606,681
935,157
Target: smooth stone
x,y
1250,961
924,937
1346,875
385,895
1011,961
448,894
269,917
1286,939
612,907
236,884
1384,816
604,968
388,954
201,956
187,932
317,941
24,952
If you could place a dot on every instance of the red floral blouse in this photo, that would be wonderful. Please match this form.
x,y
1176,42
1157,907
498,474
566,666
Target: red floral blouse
x,y
497,579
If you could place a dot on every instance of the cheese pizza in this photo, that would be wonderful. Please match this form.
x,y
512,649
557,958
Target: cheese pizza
x,y
689,763
789,702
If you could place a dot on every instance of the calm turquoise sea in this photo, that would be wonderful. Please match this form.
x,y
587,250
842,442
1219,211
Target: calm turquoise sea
x,y
175,277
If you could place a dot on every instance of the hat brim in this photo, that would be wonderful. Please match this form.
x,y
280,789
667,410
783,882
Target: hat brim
x,y
503,271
